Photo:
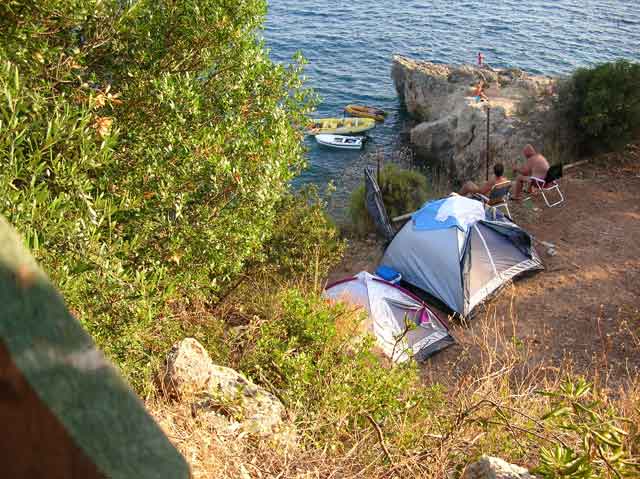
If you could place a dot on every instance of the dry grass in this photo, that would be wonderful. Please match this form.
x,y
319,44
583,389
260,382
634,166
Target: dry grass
x,y
490,406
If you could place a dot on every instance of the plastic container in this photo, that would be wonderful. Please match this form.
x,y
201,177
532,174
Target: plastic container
x,y
388,274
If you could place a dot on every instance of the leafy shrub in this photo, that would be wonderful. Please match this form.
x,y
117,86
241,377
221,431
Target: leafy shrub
x,y
306,243
604,446
144,149
403,191
603,104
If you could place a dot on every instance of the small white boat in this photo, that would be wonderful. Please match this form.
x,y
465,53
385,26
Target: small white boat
x,y
338,141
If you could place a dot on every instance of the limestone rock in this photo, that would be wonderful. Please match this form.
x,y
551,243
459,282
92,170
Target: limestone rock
x,y
187,369
495,468
452,128
224,398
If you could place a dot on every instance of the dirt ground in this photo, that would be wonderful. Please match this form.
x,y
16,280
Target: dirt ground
x,y
583,310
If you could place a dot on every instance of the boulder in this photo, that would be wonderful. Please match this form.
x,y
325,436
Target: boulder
x,y
224,398
452,124
187,369
495,468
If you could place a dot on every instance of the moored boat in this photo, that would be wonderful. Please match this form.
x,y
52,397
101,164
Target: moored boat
x,y
366,112
338,141
340,126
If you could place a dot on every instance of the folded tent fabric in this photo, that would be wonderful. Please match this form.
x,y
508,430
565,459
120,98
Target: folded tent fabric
x,y
455,210
375,206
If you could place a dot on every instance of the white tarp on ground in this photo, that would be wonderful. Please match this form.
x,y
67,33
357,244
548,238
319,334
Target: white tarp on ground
x,y
403,325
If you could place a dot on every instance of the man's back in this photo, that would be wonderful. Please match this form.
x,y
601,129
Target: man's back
x,y
538,165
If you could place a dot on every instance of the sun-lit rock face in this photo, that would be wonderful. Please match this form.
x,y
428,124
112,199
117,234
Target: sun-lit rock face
x,y
453,122
224,398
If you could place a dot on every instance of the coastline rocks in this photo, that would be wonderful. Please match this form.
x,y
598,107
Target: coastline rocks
x,y
222,397
495,468
452,123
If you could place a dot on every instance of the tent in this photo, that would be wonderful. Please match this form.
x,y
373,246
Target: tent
x,y
402,324
455,251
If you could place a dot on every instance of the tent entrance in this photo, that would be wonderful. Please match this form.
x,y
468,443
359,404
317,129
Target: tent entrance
x,y
490,256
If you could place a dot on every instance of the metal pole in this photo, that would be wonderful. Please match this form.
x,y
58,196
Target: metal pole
x,y
488,123
378,160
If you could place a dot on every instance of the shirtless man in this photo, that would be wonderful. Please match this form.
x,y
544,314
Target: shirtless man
x,y
478,92
470,188
536,165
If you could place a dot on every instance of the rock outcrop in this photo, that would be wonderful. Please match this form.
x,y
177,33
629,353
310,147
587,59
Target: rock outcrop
x,y
224,398
452,123
495,468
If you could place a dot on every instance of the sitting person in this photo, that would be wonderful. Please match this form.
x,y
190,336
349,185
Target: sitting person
x,y
478,92
470,188
536,165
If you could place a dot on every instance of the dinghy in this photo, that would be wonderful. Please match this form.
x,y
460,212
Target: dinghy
x,y
337,141
366,112
340,126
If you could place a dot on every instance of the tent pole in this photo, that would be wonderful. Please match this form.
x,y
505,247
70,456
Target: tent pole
x,y
487,158
378,158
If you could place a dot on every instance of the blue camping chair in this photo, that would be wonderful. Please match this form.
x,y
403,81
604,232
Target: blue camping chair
x,y
498,197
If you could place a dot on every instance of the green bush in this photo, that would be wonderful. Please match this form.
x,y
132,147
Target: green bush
x,y
605,448
403,191
144,150
309,354
603,104
306,243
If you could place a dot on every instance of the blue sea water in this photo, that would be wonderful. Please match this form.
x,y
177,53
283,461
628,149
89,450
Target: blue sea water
x,y
349,46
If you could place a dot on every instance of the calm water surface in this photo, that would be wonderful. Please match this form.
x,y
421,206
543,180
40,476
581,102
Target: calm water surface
x,y
349,47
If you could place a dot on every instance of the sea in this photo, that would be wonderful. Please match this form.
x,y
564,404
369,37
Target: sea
x,y
349,47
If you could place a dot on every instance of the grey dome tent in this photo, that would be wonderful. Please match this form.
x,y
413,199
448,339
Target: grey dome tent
x,y
403,325
458,253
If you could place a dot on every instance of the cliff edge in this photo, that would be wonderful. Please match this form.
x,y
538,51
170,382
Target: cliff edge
x,y
453,123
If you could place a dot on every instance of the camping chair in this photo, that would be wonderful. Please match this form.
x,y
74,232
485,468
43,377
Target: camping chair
x,y
548,184
498,197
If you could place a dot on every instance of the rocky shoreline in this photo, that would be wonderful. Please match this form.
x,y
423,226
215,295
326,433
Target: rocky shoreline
x,y
452,124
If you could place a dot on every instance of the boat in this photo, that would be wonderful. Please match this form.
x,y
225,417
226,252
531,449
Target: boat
x,y
340,126
338,141
366,112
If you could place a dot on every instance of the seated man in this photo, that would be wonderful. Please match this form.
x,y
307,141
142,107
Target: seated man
x,y
536,165
478,92
470,188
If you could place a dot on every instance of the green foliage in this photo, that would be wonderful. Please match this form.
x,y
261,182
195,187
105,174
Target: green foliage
x,y
403,191
604,446
603,104
306,243
144,150
308,352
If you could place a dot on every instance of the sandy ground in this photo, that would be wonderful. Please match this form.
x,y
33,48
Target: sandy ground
x,y
583,309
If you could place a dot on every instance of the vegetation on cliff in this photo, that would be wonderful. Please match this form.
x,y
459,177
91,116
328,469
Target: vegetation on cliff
x,y
145,153
603,105
403,191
